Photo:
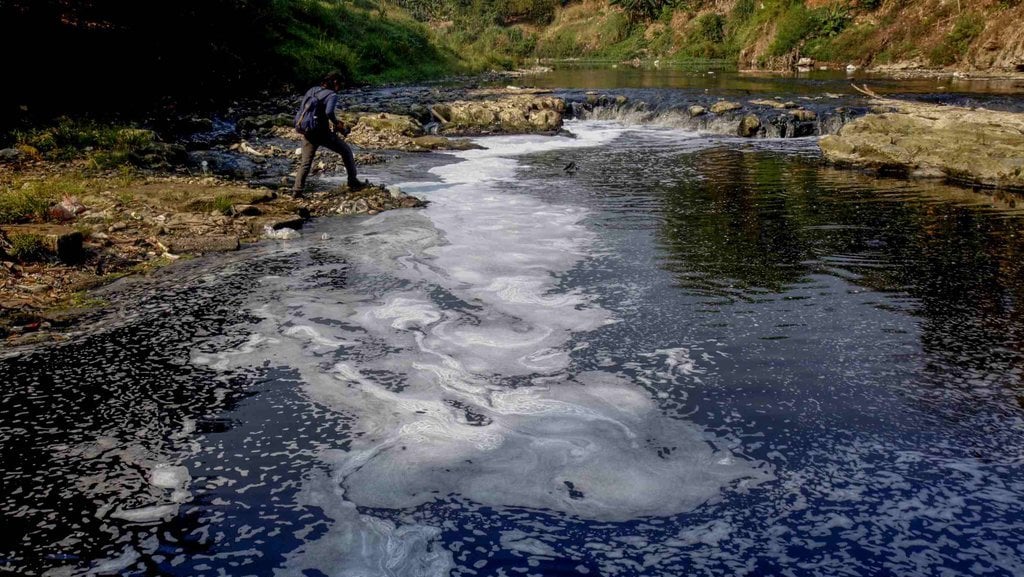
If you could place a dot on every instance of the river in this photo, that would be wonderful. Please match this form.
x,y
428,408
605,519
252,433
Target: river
x,y
694,354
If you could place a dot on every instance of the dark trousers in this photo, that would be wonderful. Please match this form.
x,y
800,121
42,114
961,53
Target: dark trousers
x,y
330,141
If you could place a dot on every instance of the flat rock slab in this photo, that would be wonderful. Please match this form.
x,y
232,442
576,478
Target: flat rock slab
x,y
200,244
50,240
976,147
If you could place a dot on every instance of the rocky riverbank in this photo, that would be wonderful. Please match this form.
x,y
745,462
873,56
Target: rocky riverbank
x,y
203,185
968,146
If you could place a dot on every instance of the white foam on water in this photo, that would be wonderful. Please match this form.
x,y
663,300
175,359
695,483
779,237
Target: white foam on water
x,y
476,301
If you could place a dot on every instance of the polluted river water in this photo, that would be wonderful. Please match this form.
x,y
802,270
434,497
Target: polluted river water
x,y
693,355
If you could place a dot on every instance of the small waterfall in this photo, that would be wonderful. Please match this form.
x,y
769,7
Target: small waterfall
x,y
753,118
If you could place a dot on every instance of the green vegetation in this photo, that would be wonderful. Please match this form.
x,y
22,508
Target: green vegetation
x,y
67,139
223,203
25,203
640,10
26,247
365,43
967,27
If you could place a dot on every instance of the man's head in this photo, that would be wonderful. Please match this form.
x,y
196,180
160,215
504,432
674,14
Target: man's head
x,y
333,80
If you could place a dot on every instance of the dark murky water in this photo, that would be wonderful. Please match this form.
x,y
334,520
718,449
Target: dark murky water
x,y
694,356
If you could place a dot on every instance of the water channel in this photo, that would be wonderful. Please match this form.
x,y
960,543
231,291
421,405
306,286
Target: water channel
x,y
694,355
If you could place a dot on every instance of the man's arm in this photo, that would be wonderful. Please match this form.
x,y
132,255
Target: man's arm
x,y
329,105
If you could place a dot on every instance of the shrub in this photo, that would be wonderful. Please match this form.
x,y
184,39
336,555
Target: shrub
x,y
711,27
223,204
967,27
743,10
640,10
24,204
536,11
72,138
27,247
795,24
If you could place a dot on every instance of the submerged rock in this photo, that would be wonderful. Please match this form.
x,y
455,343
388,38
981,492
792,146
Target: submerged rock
x,y
977,146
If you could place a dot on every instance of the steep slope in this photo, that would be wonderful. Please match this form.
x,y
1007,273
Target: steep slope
x,y
975,34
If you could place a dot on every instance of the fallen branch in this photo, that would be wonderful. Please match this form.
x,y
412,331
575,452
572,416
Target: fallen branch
x,y
865,91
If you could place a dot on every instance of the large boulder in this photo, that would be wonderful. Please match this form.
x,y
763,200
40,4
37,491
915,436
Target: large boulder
x,y
749,126
968,146
527,113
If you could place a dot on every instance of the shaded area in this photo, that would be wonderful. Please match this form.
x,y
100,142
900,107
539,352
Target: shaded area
x,y
134,59
87,422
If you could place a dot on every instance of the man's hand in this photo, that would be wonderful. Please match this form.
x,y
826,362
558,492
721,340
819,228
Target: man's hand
x,y
342,128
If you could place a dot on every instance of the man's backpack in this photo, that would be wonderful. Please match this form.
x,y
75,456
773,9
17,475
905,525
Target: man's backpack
x,y
312,115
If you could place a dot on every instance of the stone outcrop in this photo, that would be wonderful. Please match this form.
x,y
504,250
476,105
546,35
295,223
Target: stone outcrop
x,y
374,199
527,113
723,106
976,147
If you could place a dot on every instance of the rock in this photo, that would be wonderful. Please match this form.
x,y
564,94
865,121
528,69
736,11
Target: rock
x,y
432,142
265,121
724,106
11,155
41,241
67,209
769,103
238,166
696,110
293,222
199,244
968,146
392,123
803,115
749,126
528,113
246,210
805,62
159,156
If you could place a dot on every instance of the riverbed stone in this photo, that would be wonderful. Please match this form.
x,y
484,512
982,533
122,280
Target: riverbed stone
x,y
804,115
769,103
392,123
10,155
749,126
724,106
